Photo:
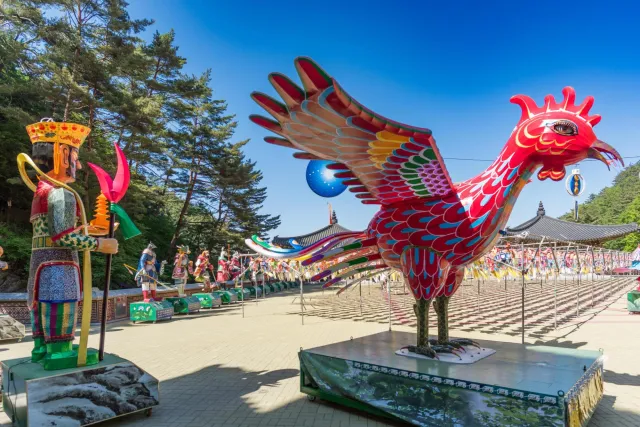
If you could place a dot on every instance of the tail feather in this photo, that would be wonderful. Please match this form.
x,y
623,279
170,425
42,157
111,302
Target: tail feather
x,y
352,272
329,255
370,275
266,249
345,264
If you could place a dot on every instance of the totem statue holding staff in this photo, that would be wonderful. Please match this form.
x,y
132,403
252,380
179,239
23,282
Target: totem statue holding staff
x,y
149,268
54,273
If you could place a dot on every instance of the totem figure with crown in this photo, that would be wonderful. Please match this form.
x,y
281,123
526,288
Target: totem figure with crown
x,y
55,287
54,274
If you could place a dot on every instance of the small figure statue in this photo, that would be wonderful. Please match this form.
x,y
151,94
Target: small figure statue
x,y
54,271
181,269
234,267
201,273
148,270
3,265
223,269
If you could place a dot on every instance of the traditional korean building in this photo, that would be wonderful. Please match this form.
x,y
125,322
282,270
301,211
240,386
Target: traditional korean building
x,y
557,230
315,236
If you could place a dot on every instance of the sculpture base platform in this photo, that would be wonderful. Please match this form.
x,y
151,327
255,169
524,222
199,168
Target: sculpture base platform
x,y
227,297
184,305
238,292
113,388
253,290
208,300
548,386
151,311
633,301
10,328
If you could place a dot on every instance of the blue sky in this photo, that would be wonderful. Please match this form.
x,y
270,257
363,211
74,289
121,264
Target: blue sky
x,y
451,68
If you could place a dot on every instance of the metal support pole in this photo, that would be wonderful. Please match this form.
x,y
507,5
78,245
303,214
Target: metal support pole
x,y
579,277
360,286
555,286
389,297
523,285
301,299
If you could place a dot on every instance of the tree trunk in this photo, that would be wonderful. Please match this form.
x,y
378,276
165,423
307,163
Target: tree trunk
x,y
421,308
441,307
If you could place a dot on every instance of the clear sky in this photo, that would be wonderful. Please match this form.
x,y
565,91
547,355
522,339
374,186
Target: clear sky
x,y
449,67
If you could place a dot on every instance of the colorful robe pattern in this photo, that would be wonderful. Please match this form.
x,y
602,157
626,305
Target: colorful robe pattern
x,y
54,285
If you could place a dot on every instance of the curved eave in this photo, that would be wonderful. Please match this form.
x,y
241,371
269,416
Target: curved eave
x,y
310,238
564,231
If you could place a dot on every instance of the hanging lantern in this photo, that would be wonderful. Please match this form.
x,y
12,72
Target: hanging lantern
x,y
575,184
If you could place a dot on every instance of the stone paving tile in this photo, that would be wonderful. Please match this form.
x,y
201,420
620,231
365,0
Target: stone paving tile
x,y
225,370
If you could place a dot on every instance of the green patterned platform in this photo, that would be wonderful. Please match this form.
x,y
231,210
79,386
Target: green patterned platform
x,y
208,300
185,305
150,311
541,385
633,301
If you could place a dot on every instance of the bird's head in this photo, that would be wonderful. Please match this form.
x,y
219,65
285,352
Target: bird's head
x,y
556,135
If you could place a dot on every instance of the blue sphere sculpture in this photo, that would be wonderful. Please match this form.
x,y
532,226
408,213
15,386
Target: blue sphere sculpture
x,y
322,180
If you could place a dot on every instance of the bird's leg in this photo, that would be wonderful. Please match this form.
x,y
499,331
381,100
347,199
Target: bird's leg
x,y
421,308
441,307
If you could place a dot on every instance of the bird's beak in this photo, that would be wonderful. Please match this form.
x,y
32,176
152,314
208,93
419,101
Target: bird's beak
x,y
599,149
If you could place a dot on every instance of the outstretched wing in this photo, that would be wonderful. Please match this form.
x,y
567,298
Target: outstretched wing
x,y
383,161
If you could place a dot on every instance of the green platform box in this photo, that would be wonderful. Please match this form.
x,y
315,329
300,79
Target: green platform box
x,y
115,387
226,297
150,311
185,305
263,289
238,293
208,300
278,286
633,301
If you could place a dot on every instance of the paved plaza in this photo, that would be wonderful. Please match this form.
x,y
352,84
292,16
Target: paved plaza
x,y
220,369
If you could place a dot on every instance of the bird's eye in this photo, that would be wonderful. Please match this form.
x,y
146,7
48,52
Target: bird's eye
x,y
565,127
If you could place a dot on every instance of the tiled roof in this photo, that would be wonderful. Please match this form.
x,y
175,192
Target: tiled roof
x,y
311,238
554,229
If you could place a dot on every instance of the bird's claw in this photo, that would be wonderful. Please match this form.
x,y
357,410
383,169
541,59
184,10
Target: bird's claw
x,y
423,351
465,341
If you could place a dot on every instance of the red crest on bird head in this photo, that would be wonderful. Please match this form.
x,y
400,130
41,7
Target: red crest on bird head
x,y
558,134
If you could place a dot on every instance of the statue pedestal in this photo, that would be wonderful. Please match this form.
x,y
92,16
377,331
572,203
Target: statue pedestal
x,y
549,386
114,387
150,311
184,305
226,296
633,301
10,328
208,300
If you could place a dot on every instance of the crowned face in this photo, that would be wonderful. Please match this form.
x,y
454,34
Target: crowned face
x,y
68,164
557,135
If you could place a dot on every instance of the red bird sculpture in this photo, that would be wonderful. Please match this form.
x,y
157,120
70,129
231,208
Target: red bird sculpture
x,y
427,227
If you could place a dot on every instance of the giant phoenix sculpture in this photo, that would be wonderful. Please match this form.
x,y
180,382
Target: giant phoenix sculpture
x,y
427,227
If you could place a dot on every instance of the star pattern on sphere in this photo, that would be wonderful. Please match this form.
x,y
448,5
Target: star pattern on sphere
x,y
322,180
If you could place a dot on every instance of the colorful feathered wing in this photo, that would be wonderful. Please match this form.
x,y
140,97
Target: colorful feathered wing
x,y
383,161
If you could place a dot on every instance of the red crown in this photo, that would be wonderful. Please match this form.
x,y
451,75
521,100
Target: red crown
x,y
530,109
